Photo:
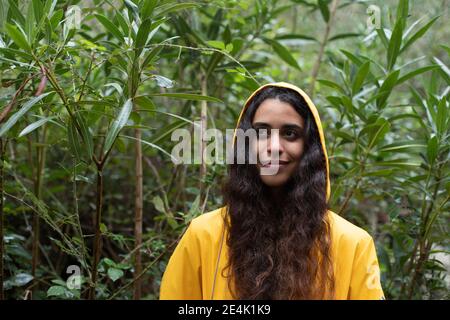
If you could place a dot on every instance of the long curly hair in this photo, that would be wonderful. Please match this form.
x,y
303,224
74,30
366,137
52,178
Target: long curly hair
x,y
279,248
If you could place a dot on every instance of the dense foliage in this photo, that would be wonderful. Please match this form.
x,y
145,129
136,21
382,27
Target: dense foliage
x,y
91,92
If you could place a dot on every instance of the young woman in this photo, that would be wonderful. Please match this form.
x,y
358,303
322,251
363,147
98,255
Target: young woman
x,y
275,238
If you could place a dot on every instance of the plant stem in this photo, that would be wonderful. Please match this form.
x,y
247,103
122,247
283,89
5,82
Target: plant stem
x,y
78,222
98,234
40,157
203,122
138,215
424,245
323,44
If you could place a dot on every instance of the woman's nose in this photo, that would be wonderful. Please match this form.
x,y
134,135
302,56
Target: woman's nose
x,y
275,145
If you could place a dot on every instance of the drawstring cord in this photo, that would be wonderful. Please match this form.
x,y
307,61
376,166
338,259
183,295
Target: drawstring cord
x,y
217,263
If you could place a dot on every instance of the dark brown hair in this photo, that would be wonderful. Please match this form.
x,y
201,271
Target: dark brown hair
x,y
279,248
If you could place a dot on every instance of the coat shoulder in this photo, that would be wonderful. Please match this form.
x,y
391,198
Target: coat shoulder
x,y
209,224
341,228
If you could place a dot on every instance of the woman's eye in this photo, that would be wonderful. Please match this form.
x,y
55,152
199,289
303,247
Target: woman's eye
x,y
291,134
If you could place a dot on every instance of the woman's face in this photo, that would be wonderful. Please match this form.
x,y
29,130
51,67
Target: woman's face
x,y
279,151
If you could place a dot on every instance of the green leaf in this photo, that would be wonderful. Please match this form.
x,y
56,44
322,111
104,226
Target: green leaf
x,y
164,133
229,48
386,88
142,35
344,136
117,125
33,126
20,53
145,103
216,44
154,28
432,150
402,10
167,8
395,43
115,274
56,291
159,204
110,262
16,12
379,173
343,36
415,73
442,116
56,18
123,23
282,52
445,70
74,142
132,6
323,6
382,35
38,9
103,228
331,84
382,128
16,116
187,96
85,134
401,163
295,36
193,211
150,56
153,145
418,34
29,22
147,8
18,37
111,27
401,147
357,61
360,77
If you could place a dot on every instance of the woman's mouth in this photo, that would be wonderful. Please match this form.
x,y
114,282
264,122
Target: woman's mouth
x,y
275,164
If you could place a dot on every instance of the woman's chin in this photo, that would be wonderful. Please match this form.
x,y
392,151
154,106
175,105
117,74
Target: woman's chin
x,y
273,181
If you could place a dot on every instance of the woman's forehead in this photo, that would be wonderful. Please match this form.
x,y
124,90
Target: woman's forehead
x,y
277,113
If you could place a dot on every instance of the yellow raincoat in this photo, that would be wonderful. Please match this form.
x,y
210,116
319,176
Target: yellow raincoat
x,y
195,268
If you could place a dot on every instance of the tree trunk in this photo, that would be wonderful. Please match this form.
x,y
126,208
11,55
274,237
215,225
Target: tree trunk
x,y
138,216
203,123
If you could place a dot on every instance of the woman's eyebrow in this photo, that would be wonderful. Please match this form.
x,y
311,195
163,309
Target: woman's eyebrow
x,y
292,126
261,124
285,126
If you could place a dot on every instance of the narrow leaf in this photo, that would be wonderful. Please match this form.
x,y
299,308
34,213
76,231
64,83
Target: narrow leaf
x,y
165,9
117,125
360,77
394,44
418,34
415,73
33,126
386,88
187,96
111,27
283,52
18,37
16,116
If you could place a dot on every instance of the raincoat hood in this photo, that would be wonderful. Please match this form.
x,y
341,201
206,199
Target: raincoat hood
x,y
313,110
